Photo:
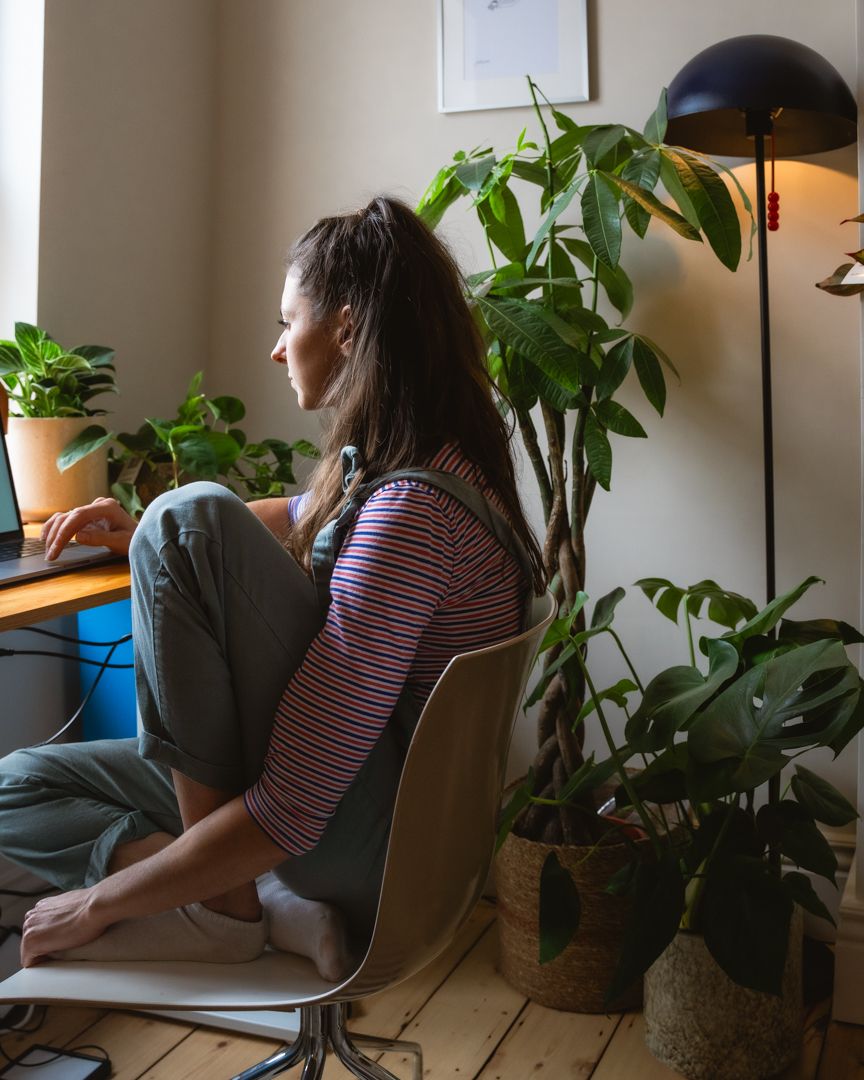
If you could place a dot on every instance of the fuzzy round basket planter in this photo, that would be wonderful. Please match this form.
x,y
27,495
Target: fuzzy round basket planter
x,y
577,980
703,1025
33,445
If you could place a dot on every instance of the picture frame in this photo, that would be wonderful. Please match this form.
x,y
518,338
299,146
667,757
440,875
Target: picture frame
x,y
487,47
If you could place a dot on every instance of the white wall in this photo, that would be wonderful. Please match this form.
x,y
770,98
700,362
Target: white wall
x,y
21,36
323,105
126,190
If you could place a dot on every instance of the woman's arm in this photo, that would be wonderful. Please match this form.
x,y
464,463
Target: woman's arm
x,y
274,514
224,850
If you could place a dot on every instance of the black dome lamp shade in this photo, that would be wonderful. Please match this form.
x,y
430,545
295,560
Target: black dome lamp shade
x,y
728,100
748,82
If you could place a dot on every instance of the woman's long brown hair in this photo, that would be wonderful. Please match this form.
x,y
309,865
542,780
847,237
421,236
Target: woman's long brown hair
x,y
414,376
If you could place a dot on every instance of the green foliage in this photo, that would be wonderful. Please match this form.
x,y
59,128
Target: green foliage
x,y
44,380
163,454
709,740
609,172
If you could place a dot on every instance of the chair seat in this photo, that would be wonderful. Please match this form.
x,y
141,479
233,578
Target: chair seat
x,y
275,980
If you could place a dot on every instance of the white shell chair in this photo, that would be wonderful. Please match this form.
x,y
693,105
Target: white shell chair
x,y
438,856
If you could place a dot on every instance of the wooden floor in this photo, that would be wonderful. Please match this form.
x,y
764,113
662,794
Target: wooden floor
x,y
471,1023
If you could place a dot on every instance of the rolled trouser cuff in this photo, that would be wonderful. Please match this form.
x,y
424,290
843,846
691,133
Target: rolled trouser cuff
x,y
223,777
134,826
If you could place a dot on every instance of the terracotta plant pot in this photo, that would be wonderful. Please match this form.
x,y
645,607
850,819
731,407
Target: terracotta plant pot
x,y
576,980
703,1025
42,489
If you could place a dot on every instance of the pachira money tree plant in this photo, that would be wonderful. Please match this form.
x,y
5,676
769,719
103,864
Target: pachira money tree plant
x,y
557,359
711,735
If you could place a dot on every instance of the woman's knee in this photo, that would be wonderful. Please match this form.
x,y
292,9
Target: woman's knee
x,y
199,506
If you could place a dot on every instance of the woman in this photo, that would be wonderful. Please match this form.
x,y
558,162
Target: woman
x,y
278,693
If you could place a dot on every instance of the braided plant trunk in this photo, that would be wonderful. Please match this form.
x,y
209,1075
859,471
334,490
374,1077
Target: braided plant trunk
x,y
560,747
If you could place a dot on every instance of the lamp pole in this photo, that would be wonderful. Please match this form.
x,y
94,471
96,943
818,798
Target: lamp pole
x,y
760,124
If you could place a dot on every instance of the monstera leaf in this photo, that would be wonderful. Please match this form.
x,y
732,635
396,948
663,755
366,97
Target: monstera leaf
x,y
801,698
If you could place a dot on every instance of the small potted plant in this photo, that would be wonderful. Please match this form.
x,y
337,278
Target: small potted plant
x,y
202,442
712,922
58,456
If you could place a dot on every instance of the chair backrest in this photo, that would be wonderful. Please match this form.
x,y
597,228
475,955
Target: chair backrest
x,y
444,822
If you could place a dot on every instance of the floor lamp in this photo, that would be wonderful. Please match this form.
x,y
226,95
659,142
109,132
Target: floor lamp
x,y
728,101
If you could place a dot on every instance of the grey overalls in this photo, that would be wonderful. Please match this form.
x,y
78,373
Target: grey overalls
x,y
222,617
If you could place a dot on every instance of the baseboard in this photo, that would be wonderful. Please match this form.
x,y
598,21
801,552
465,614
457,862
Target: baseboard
x,y
848,1004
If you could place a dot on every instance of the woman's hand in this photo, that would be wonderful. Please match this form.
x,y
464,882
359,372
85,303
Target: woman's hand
x,y
102,523
59,922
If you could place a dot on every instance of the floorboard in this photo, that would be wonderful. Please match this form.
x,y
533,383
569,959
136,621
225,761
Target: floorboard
x,y
471,1023
551,1044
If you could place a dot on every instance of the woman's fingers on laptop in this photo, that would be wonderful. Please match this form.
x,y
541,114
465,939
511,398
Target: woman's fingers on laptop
x,y
102,523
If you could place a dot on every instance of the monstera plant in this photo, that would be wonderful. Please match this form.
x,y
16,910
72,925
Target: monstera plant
x,y
560,363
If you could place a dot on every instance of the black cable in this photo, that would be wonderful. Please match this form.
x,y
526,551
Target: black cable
x,y
64,656
74,640
83,705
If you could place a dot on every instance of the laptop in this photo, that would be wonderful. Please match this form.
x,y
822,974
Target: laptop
x,y
22,558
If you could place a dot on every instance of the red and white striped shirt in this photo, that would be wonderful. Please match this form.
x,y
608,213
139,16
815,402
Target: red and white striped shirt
x,y
418,580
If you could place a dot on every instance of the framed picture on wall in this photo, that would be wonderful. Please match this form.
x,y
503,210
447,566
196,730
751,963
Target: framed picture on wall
x,y
487,47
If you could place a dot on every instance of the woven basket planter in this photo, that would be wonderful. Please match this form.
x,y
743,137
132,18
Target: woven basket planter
x,y
577,980
703,1025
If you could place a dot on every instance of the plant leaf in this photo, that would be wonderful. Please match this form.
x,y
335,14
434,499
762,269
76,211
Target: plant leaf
x,y
560,909
90,439
613,371
800,889
652,204
674,696
616,283
616,418
712,204
649,372
559,205
658,902
821,799
598,452
655,127
746,916
519,325
600,219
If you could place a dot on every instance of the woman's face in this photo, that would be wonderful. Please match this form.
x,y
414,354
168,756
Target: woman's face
x,y
307,346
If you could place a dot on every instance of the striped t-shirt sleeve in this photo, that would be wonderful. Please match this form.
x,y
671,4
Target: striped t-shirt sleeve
x,y
392,573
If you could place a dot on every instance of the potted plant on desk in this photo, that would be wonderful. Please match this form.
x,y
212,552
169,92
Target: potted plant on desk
x,y
58,455
713,924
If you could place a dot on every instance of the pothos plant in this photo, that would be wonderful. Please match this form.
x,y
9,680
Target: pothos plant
x,y
202,442
551,351
44,380
710,741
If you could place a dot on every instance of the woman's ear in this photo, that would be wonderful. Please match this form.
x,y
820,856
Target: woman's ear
x,y
345,331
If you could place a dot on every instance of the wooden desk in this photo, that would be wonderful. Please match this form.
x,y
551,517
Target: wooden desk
x,y
64,594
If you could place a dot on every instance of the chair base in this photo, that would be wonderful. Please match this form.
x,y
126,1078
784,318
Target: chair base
x,y
323,1027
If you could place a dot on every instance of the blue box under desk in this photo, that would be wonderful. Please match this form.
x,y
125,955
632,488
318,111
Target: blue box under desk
x,y
110,713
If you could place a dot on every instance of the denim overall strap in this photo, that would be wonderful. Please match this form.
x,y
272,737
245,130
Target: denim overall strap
x,y
328,542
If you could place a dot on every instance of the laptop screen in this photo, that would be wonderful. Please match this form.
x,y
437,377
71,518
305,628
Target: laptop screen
x,y
10,523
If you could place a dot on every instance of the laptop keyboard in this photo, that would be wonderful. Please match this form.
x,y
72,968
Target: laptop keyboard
x,y
17,549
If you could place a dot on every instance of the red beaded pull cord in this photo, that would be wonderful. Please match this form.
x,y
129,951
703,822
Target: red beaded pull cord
x,y
773,197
